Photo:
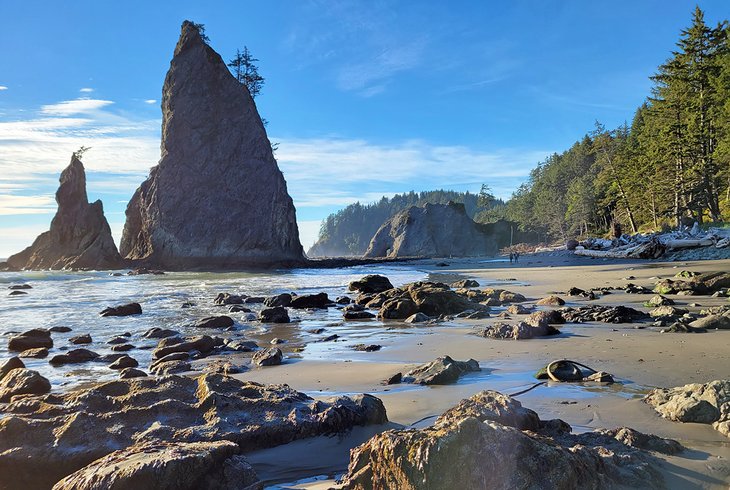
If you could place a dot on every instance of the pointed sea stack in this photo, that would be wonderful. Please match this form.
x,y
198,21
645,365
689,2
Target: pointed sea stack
x,y
217,198
434,230
79,238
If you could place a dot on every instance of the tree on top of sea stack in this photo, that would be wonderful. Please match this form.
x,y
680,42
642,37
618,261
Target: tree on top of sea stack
x,y
80,237
217,198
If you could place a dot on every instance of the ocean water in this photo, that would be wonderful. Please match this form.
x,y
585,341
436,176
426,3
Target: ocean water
x,y
74,299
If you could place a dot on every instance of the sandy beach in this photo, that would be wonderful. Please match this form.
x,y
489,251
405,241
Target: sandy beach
x,y
639,358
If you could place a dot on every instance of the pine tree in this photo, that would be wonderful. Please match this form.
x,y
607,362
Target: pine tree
x,y
246,72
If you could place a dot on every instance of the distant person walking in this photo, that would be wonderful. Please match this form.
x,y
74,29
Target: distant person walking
x,y
510,257
517,256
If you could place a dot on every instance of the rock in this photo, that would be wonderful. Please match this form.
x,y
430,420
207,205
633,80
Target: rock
x,y
661,311
491,441
435,301
398,308
394,380
187,304
551,300
79,237
679,327
163,465
371,284
320,300
443,370
130,373
215,322
123,310
574,291
476,315
39,353
239,309
228,299
707,403
357,315
254,299
283,299
510,297
21,381
9,365
16,287
159,333
217,198
712,322
544,318
571,244
658,300
518,310
518,331
465,283
78,427
170,367
75,356
367,347
242,345
418,318
80,339
118,340
203,344
277,340
32,339
278,314
605,314
634,289
429,231
343,300
268,357
59,329
17,293
124,362
141,271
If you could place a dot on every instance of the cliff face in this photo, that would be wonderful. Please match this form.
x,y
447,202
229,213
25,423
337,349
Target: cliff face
x,y
434,230
217,197
79,238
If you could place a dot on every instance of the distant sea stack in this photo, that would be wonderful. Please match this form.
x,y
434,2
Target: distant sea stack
x,y
434,230
217,198
79,238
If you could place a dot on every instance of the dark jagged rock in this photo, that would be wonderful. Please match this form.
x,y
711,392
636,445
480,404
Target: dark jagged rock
x,y
129,373
222,321
441,371
229,299
268,357
434,230
20,286
61,434
159,333
169,345
17,293
217,198
283,299
79,237
122,310
32,339
278,314
357,315
75,356
371,284
59,329
605,314
320,300
38,353
80,339
9,365
491,441
124,362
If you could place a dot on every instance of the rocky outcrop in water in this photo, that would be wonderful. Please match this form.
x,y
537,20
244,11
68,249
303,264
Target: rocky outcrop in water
x,y
491,441
46,438
217,197
434,230
79,238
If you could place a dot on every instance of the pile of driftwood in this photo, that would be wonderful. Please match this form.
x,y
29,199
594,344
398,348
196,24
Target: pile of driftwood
x,y
653,245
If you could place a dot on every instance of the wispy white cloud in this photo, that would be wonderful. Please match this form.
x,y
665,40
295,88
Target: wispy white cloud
x,y
15,205
369,76
76,106
86,90
150,101
3,87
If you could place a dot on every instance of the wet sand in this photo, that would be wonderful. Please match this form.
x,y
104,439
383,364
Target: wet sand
x,y
640,359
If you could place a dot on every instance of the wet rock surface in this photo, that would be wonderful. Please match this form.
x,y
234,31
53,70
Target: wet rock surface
x,y
122,310
371,284
443,370
491,441
64,433
517,331
32,339
269,357
21,381
604,314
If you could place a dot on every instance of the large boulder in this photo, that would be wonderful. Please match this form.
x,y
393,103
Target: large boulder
x,y
79,238
166,466
32,339
63,433
490,441
21,381
171,345
217,198
319,300
440,371
9,365
707,403
433,230
370,284
122,310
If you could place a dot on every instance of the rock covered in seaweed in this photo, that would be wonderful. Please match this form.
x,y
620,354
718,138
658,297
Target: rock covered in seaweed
x,y
79,237
217,197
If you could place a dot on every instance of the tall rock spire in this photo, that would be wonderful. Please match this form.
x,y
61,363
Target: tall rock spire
x,y
79,238
217,198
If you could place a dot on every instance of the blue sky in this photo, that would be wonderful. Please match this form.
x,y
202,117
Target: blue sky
x,y
365,98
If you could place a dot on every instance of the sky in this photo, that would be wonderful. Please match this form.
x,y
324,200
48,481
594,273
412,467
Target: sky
x,y
364,98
